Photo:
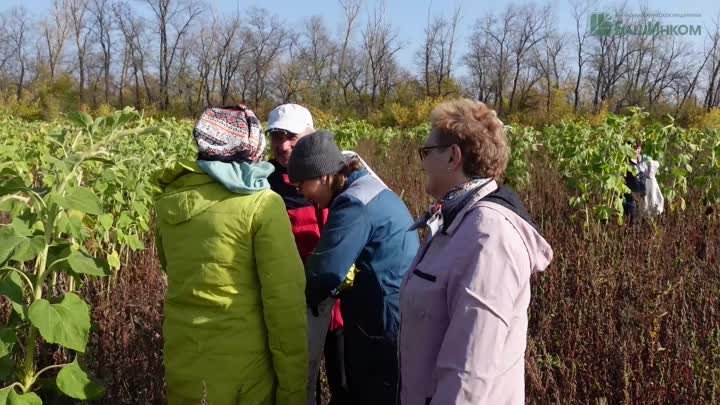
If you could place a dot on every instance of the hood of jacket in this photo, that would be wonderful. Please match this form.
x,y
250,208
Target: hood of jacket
x,y
191,187
186,192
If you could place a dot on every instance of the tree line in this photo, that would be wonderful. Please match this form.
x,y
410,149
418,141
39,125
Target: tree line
x,y
180,56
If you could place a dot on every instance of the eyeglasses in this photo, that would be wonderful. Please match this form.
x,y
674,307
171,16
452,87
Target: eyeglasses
x,y
424,150
281,133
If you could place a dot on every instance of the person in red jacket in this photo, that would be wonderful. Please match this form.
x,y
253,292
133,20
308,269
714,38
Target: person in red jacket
x,y
286,125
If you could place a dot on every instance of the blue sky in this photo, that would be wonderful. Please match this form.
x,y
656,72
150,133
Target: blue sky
x,y
409,16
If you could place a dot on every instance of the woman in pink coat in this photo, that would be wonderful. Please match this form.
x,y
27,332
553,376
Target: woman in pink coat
x,y
464,300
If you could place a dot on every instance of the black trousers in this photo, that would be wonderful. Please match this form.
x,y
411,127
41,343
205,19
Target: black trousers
x,y
629,206
372,368
334,352
335,367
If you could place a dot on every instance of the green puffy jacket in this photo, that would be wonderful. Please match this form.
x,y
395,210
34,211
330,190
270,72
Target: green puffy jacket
x,y
235,315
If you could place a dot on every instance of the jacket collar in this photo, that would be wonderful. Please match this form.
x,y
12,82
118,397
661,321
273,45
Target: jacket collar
x,y
477,196
355,176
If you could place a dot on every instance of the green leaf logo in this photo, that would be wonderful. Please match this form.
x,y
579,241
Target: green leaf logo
x,y
600,24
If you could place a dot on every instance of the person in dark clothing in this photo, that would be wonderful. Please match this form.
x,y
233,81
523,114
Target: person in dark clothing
x,y
287,124
636,184
368,227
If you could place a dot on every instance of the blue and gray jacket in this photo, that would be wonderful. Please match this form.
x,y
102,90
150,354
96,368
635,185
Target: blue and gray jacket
x,y
367,226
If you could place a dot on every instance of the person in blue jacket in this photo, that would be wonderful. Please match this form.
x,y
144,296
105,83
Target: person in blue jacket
x,y
368,227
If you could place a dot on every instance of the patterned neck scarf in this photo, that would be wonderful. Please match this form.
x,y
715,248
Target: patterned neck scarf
x,y
443,211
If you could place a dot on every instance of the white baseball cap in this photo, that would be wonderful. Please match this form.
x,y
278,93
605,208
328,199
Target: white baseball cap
x,y
290,117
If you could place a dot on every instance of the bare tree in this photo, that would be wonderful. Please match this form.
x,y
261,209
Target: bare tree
x,y
232,48
517,59
174,19
133,30
529,31
316,53
184,83
77,11
448,45
206,51
580,14
267,39
436,55
712,98
549,62
5,48
687,86
610,61
290,79
17,34
655,64
94,65
124,69
673,67
499,32
425,55
55,30
479,63
354,74
347,71
380,44
102,27
640,66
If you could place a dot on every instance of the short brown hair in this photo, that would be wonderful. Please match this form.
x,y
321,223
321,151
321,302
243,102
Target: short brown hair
x,y
478,132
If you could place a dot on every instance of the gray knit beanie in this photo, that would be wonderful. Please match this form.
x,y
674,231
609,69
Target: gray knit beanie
x,y
315,155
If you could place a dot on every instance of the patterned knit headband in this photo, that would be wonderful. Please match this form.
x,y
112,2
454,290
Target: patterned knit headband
x,y
229,134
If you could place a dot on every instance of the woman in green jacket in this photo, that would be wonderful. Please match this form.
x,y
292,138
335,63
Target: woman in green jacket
x,y
235,314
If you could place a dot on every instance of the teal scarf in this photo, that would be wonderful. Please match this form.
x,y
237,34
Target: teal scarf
x,y
239,177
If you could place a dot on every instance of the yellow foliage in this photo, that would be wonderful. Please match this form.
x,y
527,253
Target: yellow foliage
x,y
537,114
103,110
151,111
84,107
27,108
706,119
412,115
400,114
320,116
599,118
561,106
